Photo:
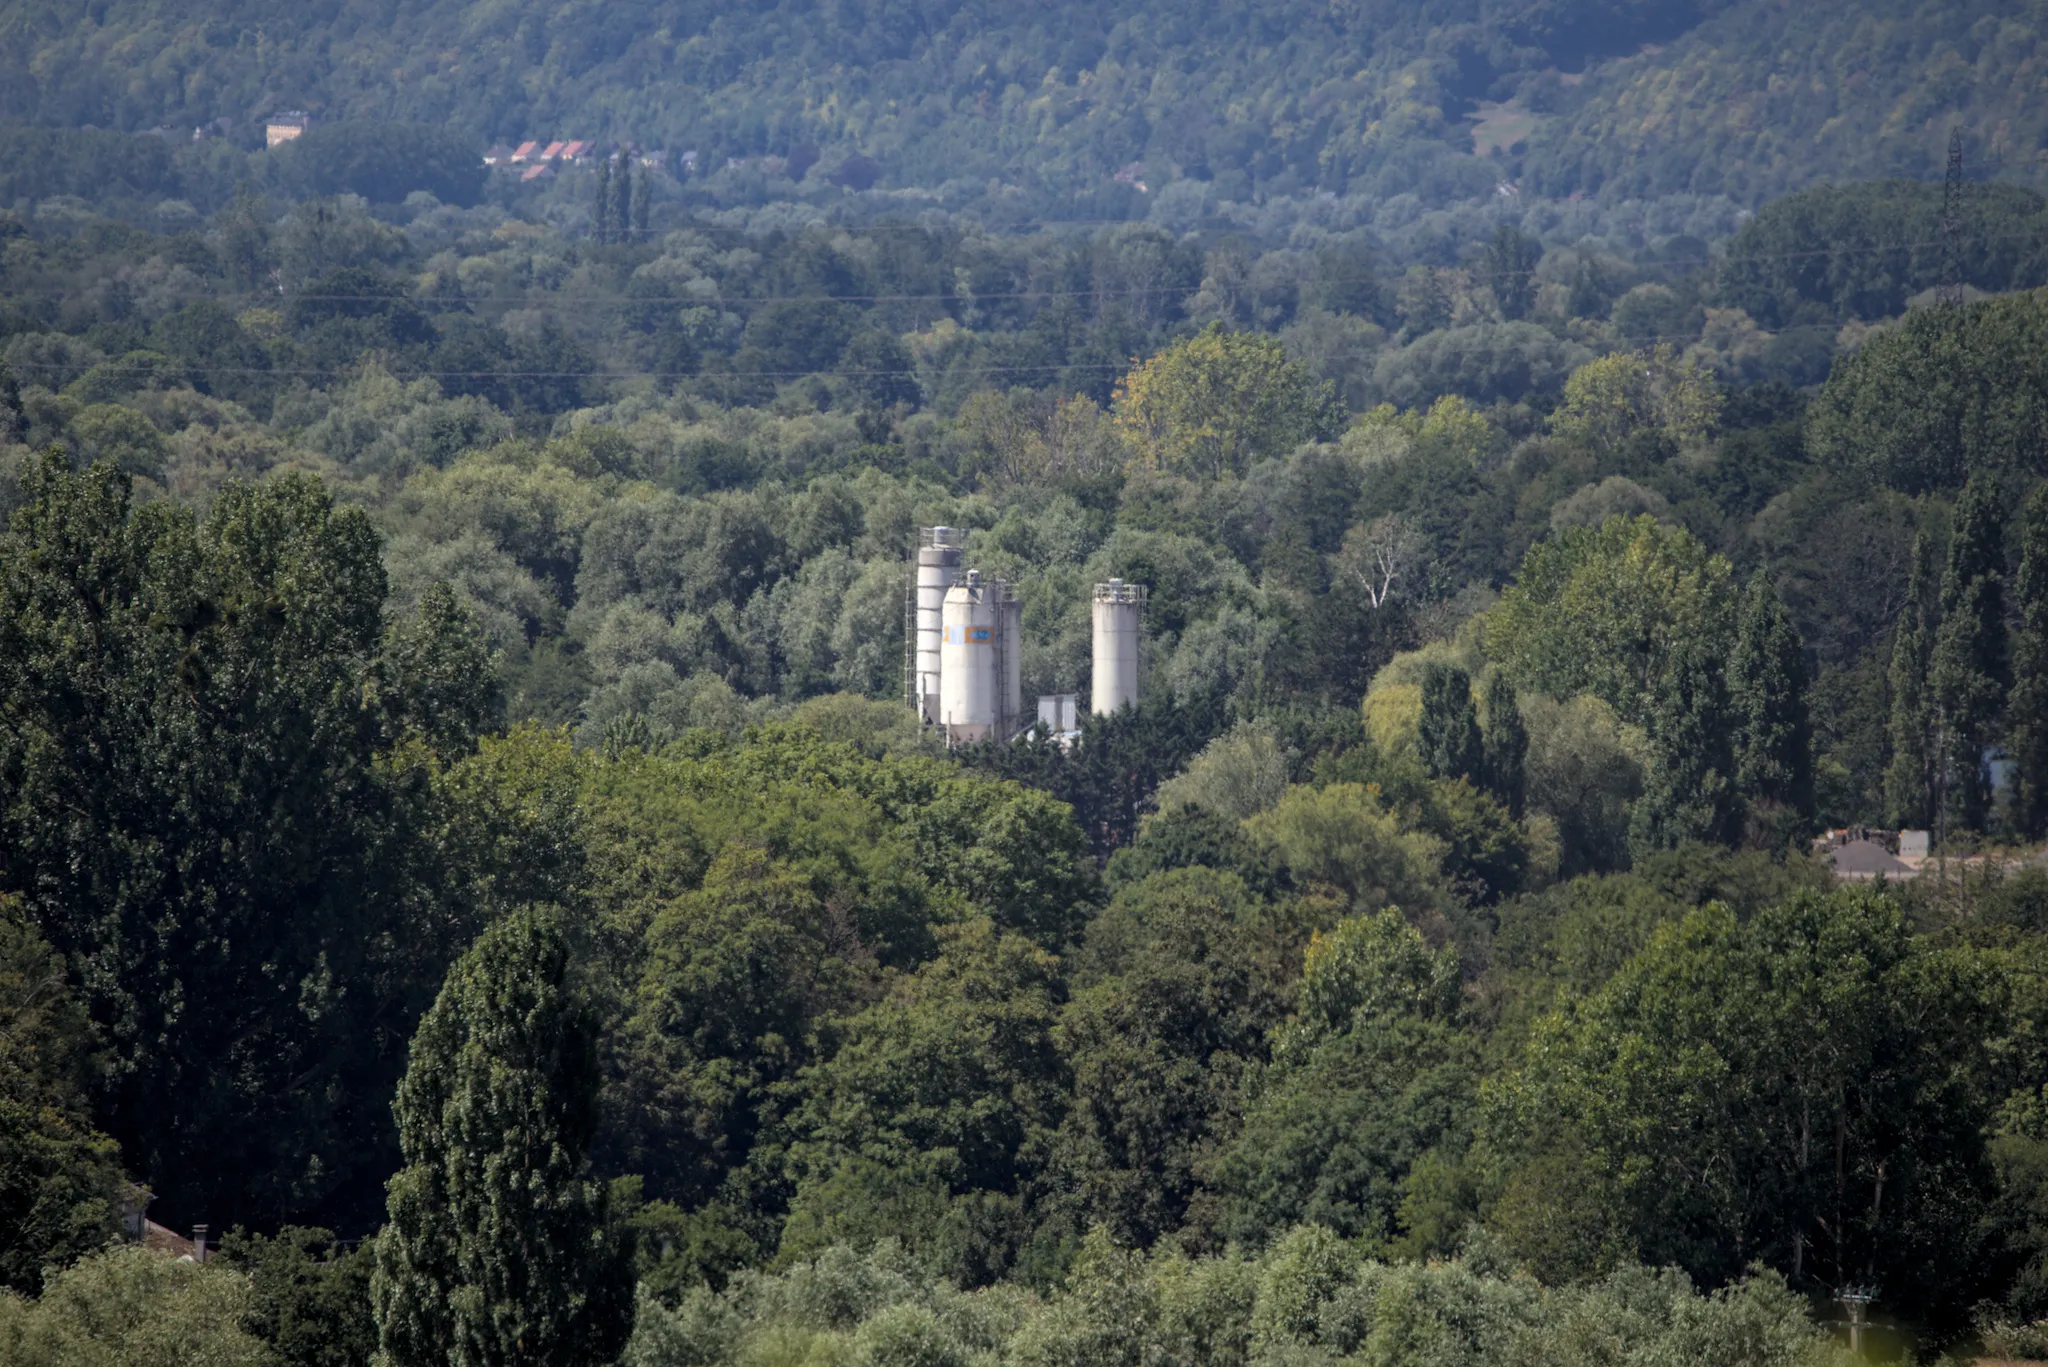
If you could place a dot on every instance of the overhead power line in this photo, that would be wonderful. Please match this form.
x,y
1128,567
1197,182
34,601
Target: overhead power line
x,y
304,373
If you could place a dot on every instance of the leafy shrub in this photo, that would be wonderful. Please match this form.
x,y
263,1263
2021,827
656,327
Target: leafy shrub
x,y
131,1307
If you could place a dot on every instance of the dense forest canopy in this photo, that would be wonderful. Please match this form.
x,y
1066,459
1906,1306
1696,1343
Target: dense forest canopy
x,y
462,838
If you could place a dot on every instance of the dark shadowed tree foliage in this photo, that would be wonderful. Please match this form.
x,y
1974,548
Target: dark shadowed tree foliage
x,y
736,970
1188,836
438,674
1945,395
1449,735
1111,773
601,212
60,1180
1505,746
877,370
220,354
1689,792
1510,263
1910,780
1371,1079
1767,694
1742,1090
1175,995
41,162
193,817
385,162
2027,706
1835,252
310,1294
12,416
933,1120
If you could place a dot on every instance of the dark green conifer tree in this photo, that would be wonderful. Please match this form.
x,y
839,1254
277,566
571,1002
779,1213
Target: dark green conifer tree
x,y
1450,727
1767,689
499,1252
642,191
622,200
1506,744
1689,792
438,679
13,417
601,208
1909,778
1968,670
2027,706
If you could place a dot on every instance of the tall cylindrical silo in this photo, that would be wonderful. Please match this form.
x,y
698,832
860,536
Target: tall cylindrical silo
x,y
1119,620
971,680
938,566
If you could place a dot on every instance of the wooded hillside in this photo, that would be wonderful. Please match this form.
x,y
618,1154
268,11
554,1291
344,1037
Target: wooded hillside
x,y
1258,98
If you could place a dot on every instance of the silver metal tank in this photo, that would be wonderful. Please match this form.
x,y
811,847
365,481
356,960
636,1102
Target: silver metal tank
x,y
972,672
938,566
1119,623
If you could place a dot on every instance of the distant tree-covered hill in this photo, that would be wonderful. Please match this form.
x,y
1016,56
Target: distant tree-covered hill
x,y
1258,97
1766,97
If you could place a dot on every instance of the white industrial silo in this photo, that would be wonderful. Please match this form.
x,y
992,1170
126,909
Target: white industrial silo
x,y
938,566
1119,621
973,661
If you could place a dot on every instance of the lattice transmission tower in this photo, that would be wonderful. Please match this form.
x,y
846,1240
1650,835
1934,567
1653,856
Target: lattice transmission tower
x,y
1951,289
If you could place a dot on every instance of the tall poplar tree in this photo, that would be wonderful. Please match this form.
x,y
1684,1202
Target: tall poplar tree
x,y
2027,706
498,1251
1689,791
1767,690
1450,726
642,190
601,209
1969,667
1506,744
13,417
622,200
1909,778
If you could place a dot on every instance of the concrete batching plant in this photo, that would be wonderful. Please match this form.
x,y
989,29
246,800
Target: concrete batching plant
x,y
964,653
